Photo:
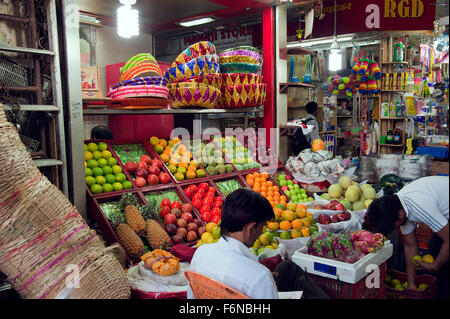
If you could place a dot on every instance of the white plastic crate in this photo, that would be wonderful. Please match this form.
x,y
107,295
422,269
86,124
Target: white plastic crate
x,y
349,273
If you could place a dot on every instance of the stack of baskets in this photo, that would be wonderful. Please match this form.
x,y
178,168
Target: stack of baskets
x,y
242,84
141,77
194,77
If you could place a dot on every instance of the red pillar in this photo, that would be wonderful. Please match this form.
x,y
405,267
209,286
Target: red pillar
x,y
268,69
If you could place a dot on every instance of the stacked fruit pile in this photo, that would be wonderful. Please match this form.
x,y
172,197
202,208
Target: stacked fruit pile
x,y
292,189
292,221
236,153
210,158
147,172
350,194
179,221
208,234
205,199
398,285
102,174
260,184
178,159
266,240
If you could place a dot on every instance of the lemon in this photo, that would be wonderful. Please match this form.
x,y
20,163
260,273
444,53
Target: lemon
x,y
87,155
106,154
92,147
100,180
102,162
116,169
97,155
96,189
117,186
87,171
108,188
256,244
86,148
92,163
90,181
102,146
112,161
206,236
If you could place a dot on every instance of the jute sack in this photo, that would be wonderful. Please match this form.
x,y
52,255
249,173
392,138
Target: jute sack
x,y
46,248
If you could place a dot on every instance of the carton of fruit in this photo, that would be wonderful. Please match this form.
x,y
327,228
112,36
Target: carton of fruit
x,y
342,271
144,170
104,174
210,157
178,160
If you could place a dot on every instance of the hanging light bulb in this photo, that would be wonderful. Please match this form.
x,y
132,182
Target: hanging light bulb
x,y
127,19
335,57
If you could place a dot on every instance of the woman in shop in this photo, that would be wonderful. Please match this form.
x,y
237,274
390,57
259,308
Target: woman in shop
x,y
423,201
231,262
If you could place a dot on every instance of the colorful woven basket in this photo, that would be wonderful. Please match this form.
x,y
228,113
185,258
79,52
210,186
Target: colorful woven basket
x,y
246,95
141,70
154,80
210,79
232,79
138,59
248,53
238,59
200,66
239,68
139,91
242,47
185,95
194,51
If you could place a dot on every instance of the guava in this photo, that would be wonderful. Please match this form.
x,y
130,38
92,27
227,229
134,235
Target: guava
x,y
345,182
352,193
335,191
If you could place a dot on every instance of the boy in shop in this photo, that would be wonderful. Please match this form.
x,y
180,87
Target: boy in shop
x,y
301,141
424,200
230,261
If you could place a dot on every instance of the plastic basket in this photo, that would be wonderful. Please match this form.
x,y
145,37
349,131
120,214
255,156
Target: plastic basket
x,y
12,73
436,152
428,293
423,235
341,290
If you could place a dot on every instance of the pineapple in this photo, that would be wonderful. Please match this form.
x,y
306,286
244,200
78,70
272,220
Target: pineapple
x,y
135,220
130,241
157,237
116,218
130,205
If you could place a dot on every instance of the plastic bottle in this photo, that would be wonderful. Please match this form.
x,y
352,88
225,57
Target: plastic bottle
x,y
396,137
389,137
398,109
398,51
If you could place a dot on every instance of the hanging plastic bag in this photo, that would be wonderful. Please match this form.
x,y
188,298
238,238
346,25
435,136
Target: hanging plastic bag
x,y
307,78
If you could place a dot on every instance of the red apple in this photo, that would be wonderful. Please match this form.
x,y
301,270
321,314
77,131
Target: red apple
x,y
191,236
284,188
177,239
166,202
341,217
339,207
192,227
186,208
142,164
146,159
215,219
318,207
206,216
176,204
131,167
154,170
187,217
157,163
324,219
197,203
164,178
288,178
171,229
170,219
198,221
140,182
152,179
335,219
176,212
181,223
164,211
141,172
182,232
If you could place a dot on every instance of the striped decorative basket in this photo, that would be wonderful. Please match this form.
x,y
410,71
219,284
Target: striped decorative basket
x,y
194,51
44,241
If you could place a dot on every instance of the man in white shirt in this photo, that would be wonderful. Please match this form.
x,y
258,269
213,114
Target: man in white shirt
x,y
422,201
231,262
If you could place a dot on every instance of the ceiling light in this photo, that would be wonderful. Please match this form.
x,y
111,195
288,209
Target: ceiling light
x,y
305,44
335,57
127,19
196,22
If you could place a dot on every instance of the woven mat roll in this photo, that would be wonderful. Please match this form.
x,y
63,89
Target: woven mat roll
x,y
43,237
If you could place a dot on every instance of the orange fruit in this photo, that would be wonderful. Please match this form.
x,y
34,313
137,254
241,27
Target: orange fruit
x,y
256,189
163,142
269,198
192,167
264,194
428,259
272,226
154,140
264,188
297,224
300,212
285,225
269,184
183,164
283,198
309,214
251,182
264,175
165,158
303,206
305,231
288,215
295,233
306,222
158,148
190,174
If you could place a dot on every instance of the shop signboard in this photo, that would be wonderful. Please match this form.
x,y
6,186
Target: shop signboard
x,y
373,15
222,39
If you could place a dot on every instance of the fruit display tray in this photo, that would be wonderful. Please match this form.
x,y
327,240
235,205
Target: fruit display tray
x,y
345,272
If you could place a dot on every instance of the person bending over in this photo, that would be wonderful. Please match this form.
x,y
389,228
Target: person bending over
x,y
424,200
231,262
